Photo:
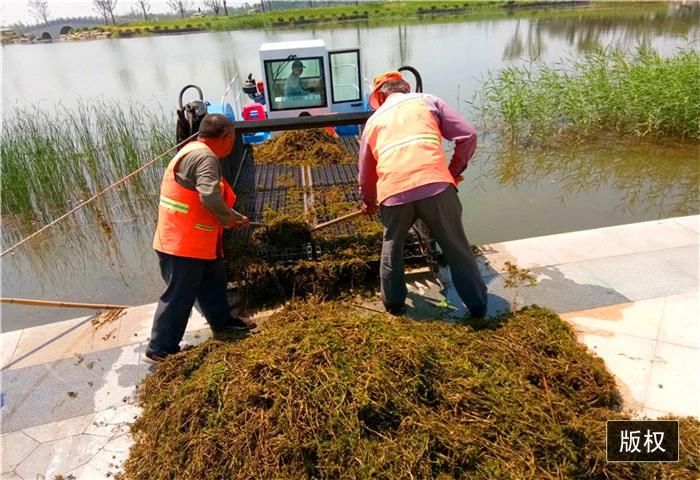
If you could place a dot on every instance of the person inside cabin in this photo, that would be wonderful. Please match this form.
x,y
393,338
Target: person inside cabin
x,y
293,86
403,173
196,204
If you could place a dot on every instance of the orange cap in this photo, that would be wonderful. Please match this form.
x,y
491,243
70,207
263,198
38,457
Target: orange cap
x,y
380,80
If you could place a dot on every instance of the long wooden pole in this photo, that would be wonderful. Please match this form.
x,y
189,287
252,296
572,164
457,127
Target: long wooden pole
x,y
337,220
49,303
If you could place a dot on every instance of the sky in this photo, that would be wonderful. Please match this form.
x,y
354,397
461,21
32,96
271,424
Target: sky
x,y
14,11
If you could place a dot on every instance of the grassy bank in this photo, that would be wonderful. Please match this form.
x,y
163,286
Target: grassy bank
x,y
309,16
333,391
372,14
642,94
50,162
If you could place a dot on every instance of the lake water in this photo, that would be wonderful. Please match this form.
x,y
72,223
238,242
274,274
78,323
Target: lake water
x,y
506,196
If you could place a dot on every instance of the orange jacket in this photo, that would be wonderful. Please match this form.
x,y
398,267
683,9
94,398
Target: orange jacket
x,y
405,139
185,227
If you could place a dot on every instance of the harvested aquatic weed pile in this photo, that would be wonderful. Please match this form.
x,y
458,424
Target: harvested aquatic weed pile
x,y
330,391
311,147
283,232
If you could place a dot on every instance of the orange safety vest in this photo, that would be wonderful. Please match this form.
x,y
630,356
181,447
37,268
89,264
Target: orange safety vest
x,y
185,227
406,141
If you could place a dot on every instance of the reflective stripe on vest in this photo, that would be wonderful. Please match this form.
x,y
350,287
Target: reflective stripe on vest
x,y
405,139
173,205
185,227
206,228
421,138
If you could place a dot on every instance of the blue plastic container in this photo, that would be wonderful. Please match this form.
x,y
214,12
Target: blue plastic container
x,y
347,130
222,108
252,112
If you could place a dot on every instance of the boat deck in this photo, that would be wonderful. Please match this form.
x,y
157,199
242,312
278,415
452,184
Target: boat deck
x,y
305,188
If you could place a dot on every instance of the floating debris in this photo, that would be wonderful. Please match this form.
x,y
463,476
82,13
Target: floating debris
x,y
109,335
330,391
106,317
517,276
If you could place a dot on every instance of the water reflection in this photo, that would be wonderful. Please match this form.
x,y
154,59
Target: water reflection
x,y
126,78
626,28
161,79
532,48
100,255
515,48
588,33
651,177
403,44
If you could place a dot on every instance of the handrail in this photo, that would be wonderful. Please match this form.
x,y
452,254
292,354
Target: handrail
x,y
237,104
228,87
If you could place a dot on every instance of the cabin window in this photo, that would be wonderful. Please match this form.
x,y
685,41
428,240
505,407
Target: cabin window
x,y
345,76
296,83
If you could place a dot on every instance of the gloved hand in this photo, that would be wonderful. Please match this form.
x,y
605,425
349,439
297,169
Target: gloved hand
x,y
241,222
369,209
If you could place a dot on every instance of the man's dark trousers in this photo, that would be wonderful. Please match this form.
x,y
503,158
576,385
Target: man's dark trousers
x,y
443,215
188,280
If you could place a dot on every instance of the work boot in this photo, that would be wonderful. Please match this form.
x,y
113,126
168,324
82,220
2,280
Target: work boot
x,y
236,326
396,309
158,357
155,358
242,325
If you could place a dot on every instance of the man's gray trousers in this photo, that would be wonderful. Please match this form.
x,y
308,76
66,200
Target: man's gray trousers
x,y
442,214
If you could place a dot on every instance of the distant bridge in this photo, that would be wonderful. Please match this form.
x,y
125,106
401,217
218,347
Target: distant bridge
x,y
55,28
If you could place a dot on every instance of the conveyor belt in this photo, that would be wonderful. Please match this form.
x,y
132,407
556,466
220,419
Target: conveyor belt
x,y
334,175
352,145
267,186
268,177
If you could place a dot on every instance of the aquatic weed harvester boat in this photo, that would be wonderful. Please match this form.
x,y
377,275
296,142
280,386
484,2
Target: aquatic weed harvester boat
x,y
295,162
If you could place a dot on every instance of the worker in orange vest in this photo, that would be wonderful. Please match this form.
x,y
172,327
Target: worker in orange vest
x,y
196,204
404,172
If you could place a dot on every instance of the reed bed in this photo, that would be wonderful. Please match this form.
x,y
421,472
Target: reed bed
x,y
51,162
642,94
327,390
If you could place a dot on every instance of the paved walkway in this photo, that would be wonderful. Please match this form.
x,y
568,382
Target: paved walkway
x,y
631,292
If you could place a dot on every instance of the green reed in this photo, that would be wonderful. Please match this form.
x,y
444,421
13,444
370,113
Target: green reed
x,y
643,94
51,162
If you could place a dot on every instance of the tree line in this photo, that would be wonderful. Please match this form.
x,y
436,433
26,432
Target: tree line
x,y
40,9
